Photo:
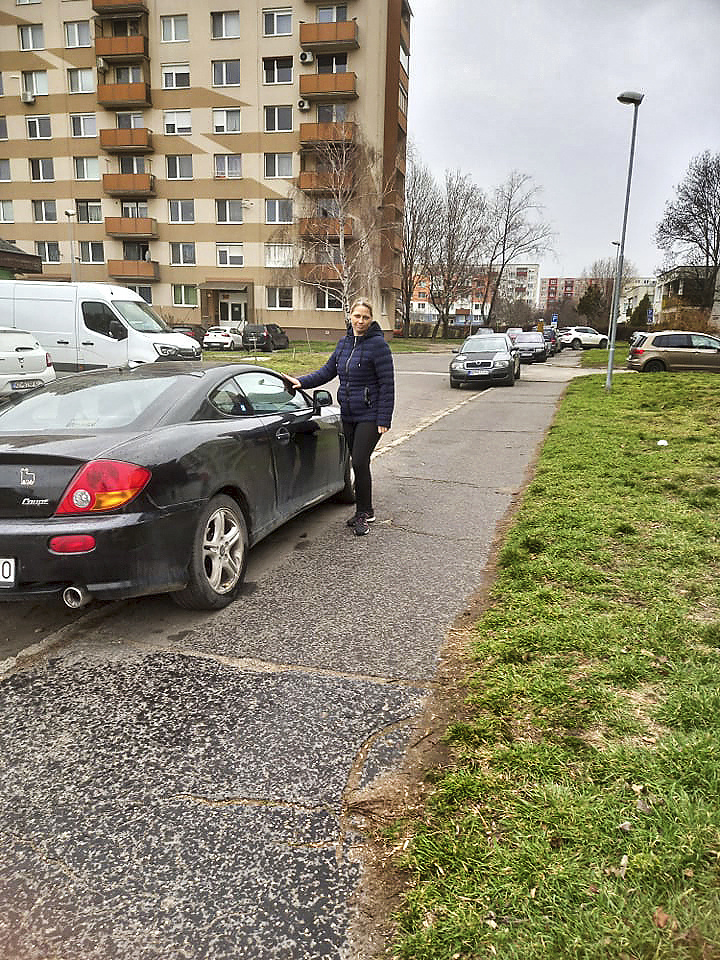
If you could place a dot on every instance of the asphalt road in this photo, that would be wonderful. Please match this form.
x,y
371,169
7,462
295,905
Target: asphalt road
x,y
173,785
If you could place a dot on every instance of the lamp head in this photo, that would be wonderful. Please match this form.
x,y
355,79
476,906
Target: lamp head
x,y
69,213
630,96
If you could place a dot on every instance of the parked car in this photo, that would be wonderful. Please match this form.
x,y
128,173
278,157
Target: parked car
x,y
674,350
264,336
488,358
512,332
582,338
532,347
222,338
24,364
120,483
551,339
190,330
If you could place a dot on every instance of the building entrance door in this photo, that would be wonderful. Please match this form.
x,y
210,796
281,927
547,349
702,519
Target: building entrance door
x,y
233,311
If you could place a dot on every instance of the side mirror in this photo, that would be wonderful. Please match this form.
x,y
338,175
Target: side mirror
x,y
455,350
117,330
321,398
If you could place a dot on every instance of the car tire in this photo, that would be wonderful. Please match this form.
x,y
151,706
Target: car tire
x,y
576,344
454,384
511,381
654,366
218,559
347,494
603,344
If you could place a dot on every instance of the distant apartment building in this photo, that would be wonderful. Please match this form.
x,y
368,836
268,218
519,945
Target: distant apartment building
x,y
519,282
182,150
554,290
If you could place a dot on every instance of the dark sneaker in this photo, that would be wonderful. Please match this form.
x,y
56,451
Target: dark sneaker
x,y
369,517
361,526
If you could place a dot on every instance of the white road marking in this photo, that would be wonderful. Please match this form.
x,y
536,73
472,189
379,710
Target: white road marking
x,y
423,425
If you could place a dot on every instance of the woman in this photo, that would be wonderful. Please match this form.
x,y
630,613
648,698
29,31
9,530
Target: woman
x,y
363,363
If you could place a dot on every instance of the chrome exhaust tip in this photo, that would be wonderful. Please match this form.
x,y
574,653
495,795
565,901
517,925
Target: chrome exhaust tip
x,y
75,597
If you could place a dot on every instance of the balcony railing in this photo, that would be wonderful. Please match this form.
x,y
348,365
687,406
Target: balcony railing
x,y
313,181
118,95
129,184
320,273
121,48
139,228
329,37
136,140
324,228
313,133
119,6
134,269
328,86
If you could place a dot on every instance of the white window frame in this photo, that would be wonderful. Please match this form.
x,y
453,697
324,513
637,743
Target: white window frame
x,y
224,167
278,210
178,254
143,290
86,123
44,248
86,168
279,255
325,293
33,124
220,71
225,25
170,118
83,77
183,300
276,162
129,73
332,9
72,34
220,120
87,249
174,162
273,296
35,82
43,161
94,205
272,111
274,81
172,22
177,211
137,121
228,210
171,73
6,211
47,210
4,169
132,163
31,36
228,252
273,15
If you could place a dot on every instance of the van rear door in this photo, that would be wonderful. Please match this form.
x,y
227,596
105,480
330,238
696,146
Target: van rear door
x,y
48,312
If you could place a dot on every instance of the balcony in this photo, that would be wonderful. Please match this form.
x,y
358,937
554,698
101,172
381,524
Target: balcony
x,y
329,37
324,228
137,140
121,48
320,273
314,133
142,270
328,86
133,228
103,7
395,203
116,96
313,181
129,184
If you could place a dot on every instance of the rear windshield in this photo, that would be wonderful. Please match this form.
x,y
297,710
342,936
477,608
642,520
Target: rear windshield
x,y
141,316
530,338
65,405
17,340
253,328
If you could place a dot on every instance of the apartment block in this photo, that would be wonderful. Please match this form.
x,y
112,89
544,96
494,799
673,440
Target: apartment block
x,y
209,157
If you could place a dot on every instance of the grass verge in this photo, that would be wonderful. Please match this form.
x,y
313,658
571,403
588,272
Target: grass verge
x,y
580,817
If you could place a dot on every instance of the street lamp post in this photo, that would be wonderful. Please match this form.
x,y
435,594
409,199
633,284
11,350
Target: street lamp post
x,y
635,99
71,227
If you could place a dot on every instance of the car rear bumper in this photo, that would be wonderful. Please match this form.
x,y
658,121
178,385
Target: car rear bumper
x,y
135,554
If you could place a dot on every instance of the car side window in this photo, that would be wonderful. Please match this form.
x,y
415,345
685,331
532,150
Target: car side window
x,y
269,393
673,340
98,316
229,399
702,342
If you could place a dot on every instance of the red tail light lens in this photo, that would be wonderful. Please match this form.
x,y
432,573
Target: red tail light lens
x,y
83,543
103,485
48,360
636,351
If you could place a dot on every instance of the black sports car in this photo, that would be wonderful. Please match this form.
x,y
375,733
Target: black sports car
x,y
120,483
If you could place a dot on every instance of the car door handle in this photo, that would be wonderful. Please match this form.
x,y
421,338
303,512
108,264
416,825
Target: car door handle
x,y
282,434
63,342
88,343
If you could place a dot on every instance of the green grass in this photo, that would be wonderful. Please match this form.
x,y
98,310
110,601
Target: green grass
x,y
580,818
599,358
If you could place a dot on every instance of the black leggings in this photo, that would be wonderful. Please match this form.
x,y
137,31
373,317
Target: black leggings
x,y
362,439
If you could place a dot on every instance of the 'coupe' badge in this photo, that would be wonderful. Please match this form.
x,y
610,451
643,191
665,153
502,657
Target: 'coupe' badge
x,y
27,477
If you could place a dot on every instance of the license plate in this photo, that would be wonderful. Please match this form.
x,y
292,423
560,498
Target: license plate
x,y
7,572
478,373
25,384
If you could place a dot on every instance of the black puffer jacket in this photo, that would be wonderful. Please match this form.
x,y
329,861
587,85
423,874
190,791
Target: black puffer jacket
x,y
364,366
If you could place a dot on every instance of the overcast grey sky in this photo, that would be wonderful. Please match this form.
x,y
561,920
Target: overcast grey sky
x,y
532,85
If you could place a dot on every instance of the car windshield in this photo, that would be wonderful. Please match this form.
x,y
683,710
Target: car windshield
x,y
141,316
87,404
484,344
529,338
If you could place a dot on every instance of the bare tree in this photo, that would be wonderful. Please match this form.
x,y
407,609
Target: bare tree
x,y
420,198
456,237
602,274
689,232
517,232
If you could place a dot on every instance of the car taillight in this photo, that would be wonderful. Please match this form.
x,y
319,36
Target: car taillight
x,y
636,351
83,543
103,485
48,360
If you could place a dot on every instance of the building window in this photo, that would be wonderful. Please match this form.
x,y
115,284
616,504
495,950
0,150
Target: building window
x,y
86,168
328,299
226,73
278,211
229,211
180,167
277,23
142,290
130,121
404,59
91,251
44,211
174,29
182,254
278,165
279,298
48,251
278,119
23,2
332,63
35,82
3,128
403,100
229,254
134,209
31,37
279,255
334,14
225,24
41,168
4,170
278,69
88,211
228,166
83,125
77,33
81,81
331,113
38,128
177,121
184,295
133,163
136,250
182,211
175,76
6,211
131,74
226,121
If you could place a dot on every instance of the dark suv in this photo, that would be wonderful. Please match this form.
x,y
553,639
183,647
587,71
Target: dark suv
x,y
264,336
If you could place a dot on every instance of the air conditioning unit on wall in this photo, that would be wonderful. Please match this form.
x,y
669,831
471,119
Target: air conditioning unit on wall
x,y
306,57
27,96
303,105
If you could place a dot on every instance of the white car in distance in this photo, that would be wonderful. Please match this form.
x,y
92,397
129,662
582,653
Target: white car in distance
x,y
582,338
24,364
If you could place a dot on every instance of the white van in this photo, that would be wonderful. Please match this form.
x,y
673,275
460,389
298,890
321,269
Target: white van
x,y
87,326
